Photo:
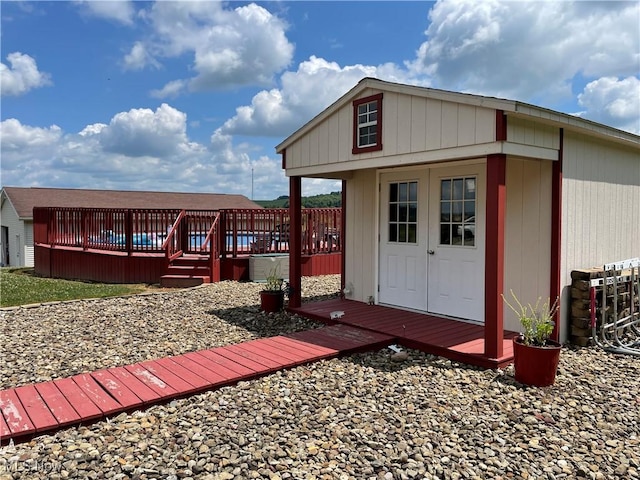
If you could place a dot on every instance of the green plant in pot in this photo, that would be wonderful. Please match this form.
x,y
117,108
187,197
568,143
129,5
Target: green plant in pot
x,y
272,296
535,355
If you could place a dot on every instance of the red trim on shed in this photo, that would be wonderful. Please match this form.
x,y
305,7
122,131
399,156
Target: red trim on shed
x,y
494,255
378,146
501,126
284,159
555,283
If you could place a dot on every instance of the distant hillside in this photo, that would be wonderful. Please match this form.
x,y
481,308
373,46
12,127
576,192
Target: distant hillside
x,y
333,199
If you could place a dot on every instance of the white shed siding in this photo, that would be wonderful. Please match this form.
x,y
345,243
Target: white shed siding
x,y
418,124
601,203
527,132
600,207
433,121
344,125
361,236
527,252
410,124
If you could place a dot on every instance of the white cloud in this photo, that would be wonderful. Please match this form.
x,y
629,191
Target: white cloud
x,y
243,46
15,136
612,101
22,76
143,132
170,90
140,149
139,58
25,150
121,11
527,51
315,85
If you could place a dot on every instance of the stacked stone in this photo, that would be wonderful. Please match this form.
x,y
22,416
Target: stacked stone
x,y
581,331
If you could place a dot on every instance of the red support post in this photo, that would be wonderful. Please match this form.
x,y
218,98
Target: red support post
x,y
295,241
343,229
494,256
556,234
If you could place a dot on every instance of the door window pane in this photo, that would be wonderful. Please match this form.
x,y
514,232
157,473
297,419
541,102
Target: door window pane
x,y
469,188
412,233
403,212
393,192
393,232
413,192
458,211
393,212
445,190
402,188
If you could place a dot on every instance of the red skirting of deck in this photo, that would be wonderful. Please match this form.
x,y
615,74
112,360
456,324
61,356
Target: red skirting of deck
x,y
457,340
43,407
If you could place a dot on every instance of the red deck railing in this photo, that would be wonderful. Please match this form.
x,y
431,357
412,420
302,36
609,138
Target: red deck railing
x,y
221,234
122,230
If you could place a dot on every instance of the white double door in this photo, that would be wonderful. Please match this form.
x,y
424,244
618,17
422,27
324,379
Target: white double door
x,y
431,243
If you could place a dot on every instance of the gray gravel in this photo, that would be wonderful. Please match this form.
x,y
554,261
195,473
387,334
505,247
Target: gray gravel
x,y
359,417
63,339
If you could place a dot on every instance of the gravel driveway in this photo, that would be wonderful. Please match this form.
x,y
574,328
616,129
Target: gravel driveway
x,y
358,417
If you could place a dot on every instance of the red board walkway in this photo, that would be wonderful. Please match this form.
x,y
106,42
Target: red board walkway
x,y
47,406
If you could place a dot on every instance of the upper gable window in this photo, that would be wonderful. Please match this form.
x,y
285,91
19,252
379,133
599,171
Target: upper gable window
x,y
367,124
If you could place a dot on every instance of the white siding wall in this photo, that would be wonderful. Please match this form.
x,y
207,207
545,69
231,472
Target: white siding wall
x,y
361,235
16,235
28,243
600,204
410,124
527,233
526,132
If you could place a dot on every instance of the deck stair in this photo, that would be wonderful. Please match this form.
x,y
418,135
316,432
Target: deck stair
x,y
187,271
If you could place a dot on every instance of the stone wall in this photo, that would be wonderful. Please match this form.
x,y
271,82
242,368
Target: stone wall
x,y
580,329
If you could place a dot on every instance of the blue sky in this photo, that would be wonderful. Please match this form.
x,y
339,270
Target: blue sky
x,y
193,96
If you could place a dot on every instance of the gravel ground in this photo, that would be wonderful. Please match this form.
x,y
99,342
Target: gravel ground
x,y
358,417
63,339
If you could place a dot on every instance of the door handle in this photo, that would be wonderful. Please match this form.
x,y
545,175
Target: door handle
x,y
430,252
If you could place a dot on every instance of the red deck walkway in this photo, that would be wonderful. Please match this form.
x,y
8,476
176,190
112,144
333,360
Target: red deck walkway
x,y
47,406
454,339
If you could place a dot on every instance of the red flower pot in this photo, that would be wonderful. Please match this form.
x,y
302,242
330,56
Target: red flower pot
x,y
534,365
271,301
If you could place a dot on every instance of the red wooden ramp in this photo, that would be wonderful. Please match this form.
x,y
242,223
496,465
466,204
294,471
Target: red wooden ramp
x,y
43,407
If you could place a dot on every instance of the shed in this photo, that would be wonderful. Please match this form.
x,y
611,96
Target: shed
x,y
16,238
451,200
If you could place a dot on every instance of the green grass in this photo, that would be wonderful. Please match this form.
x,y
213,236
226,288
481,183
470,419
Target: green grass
x,y
22,287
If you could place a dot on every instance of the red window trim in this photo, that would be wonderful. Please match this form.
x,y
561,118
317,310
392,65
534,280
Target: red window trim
x,y
378,145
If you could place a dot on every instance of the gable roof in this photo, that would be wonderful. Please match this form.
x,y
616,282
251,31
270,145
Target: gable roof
x,y
24,199
509,107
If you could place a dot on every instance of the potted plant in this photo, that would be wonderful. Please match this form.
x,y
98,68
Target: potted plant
x,y
535,355
272,296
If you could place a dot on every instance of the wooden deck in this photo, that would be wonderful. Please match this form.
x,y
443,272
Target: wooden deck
x,y
457,340
43,407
